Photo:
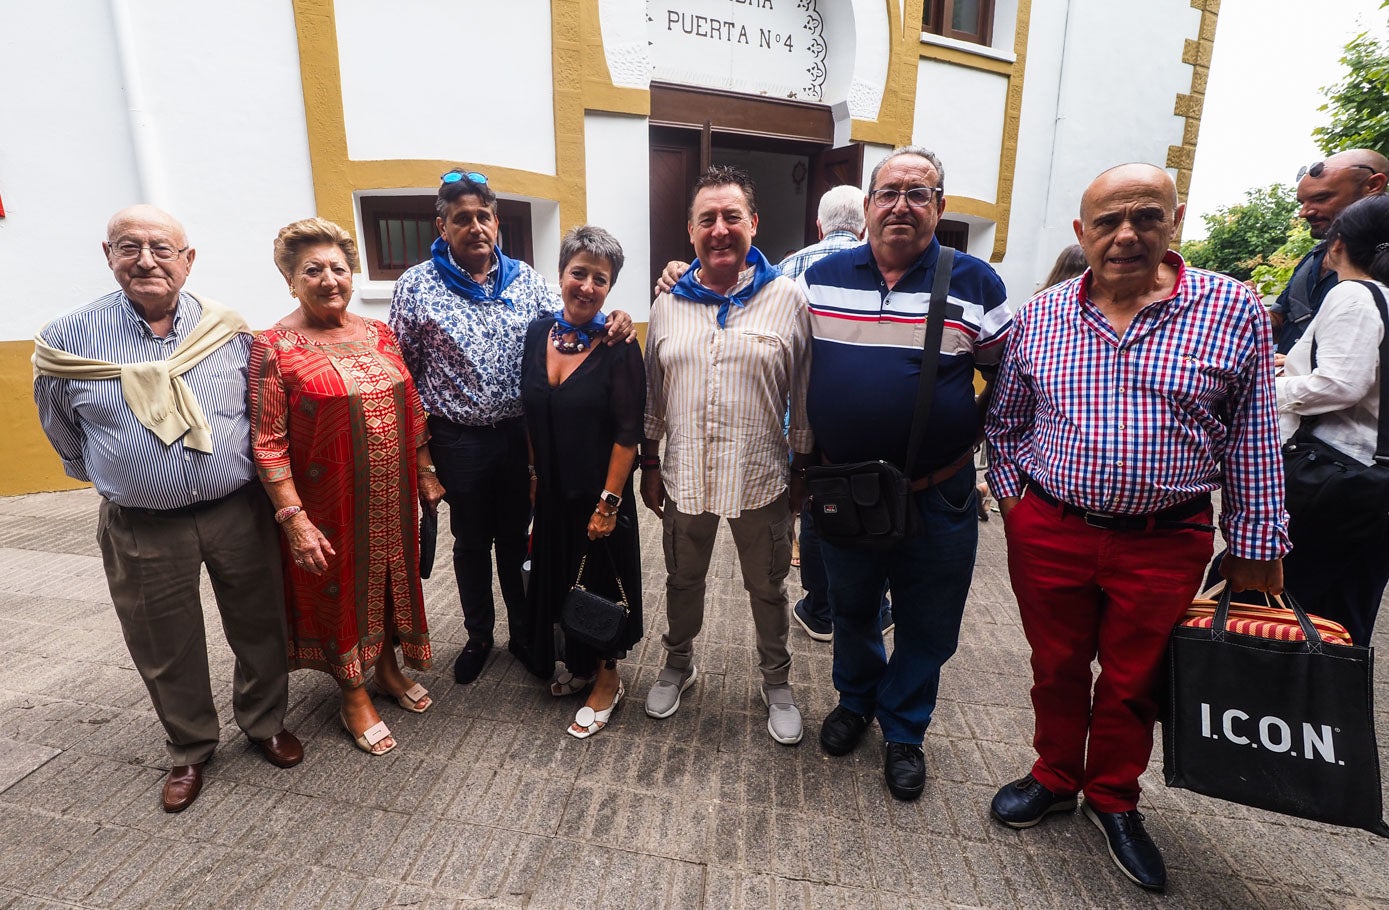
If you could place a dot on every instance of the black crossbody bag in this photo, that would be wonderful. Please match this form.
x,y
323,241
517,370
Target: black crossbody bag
x,y
592,618
1327,489
868,505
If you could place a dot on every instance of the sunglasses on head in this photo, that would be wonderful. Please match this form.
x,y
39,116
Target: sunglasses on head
x,y
1316,170
458,174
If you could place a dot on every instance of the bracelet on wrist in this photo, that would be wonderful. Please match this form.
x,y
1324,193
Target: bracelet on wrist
x,y
649,461
288,512
530,468
601,514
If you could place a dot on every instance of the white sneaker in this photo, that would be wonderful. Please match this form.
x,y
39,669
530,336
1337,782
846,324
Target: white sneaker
x,y
664,698
783,717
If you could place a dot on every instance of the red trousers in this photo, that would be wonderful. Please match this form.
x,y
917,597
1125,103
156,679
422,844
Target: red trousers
x,y
1084,593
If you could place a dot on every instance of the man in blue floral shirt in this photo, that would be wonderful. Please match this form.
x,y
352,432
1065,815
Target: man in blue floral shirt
x,y
461,320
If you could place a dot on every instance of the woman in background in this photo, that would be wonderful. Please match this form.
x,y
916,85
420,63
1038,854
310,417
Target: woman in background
x,y
1330,385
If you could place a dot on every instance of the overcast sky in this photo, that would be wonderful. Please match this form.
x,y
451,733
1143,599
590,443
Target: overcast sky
x,y
1271,61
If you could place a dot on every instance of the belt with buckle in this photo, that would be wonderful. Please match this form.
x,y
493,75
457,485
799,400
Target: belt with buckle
x,y
1166,519
942,473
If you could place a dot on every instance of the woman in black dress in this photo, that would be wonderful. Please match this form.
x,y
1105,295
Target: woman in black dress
x,y
583,404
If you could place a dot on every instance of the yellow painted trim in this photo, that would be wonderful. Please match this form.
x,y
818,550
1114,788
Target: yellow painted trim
x,y
336,176
999,212
31,465
1190,105
897,111
964,58
1012,118
567,56
968,205
599,92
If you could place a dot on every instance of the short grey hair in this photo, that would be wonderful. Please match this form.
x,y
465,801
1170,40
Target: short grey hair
x,y
841,209
918,151
594,241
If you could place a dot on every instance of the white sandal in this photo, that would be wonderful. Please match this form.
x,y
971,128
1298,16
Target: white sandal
x,y
371,736
588,721
565,683
410,699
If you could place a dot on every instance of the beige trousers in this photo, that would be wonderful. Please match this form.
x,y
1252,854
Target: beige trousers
x,y
763,540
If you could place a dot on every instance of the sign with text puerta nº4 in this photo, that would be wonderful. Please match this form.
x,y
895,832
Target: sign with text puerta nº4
x,y
761,47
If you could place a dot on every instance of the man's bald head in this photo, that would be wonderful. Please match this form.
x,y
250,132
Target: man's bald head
x,y
146,215
1128,217
1324,189
1134,171
1360,159
148,252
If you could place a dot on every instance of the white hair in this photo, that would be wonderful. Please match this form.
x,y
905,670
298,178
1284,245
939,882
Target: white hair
x,y
841,209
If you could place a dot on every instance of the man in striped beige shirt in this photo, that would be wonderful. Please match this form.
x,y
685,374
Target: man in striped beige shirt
x,y
727,348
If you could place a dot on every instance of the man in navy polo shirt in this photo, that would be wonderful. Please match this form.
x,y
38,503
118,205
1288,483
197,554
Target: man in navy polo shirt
x,y
868,311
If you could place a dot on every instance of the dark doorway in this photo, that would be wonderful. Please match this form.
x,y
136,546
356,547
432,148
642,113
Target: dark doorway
x,y
785,146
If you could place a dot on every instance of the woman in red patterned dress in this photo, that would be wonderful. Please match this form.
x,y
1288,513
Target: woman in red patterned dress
x,y
339,440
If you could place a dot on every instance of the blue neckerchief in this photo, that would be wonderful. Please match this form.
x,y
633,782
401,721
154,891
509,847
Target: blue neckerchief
x,y
583,334
460,282
691,289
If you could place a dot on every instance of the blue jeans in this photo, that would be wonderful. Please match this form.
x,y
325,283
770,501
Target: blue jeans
x,y
813,578
929,576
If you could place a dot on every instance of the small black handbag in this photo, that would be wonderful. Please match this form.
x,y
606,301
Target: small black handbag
x,y
1327,489
592,618
868,505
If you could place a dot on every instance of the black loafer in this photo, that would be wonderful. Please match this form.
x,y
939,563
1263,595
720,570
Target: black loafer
x,y
1025,802
471,661
904,768
1132,850
841,731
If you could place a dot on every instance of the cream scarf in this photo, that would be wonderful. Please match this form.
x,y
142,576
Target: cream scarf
x,y
155,391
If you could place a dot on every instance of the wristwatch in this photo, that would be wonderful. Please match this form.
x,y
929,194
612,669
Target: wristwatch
x,y
611,499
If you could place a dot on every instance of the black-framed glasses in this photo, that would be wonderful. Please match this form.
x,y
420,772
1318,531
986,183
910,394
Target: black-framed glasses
x,y
129,249
918,197
1316,170
458,174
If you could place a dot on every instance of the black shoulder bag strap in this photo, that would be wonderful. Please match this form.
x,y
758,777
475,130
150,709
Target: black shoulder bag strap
x,y
930,354
1382,440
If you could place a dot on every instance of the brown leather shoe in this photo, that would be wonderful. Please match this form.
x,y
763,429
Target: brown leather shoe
x,y
182,786
282,750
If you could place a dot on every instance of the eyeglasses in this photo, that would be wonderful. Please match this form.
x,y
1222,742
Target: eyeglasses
x,y
129,249
457,174
1316,170
918,197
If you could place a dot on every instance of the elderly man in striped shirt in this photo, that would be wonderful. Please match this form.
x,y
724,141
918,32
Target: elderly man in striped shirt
x,y
143,393
1127,396
727,351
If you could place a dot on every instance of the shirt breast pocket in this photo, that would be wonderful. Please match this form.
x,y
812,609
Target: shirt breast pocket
x,y
761,344
1194,379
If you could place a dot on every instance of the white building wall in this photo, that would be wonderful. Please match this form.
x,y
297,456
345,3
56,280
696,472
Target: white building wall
x,y
1092,98
619,167
420,78
224,120
959,116
1112,104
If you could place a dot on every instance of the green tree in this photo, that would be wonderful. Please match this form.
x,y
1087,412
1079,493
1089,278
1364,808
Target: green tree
x,y
1274,275
1358,106
1242,237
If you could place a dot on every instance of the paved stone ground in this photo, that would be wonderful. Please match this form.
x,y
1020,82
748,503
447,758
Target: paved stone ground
x,y
487,803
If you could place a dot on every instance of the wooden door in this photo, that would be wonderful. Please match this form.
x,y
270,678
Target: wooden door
x,y
830,168
675,157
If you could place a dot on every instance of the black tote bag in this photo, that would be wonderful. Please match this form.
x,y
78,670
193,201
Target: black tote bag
x,y
1286,726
